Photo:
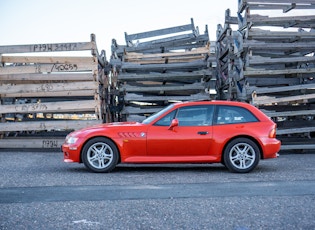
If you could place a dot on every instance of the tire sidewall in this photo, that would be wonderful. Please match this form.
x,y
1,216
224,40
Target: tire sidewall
x,y
86,147
227,159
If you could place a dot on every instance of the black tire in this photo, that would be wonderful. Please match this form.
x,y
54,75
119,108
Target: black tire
x,y
100,155
241,155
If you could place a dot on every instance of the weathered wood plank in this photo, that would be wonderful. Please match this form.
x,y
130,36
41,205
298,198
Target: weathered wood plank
x,y
289,113
254,60
153,76
52,47
159,32
243,2
155,67
47,125
200,50
48,87
166,46
278,46
295,130
260,81
136,97
195,86
277,4
264,72
270,100
177,41
43,77
169,60
285,22
134,110
32,143
50,107
301,146
77,93
284,7
267,35
48,68
258,90
48,59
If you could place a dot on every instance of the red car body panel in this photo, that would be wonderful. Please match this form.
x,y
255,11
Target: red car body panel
x,y
147,143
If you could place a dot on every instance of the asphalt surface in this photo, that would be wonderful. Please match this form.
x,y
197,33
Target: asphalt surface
x,y
39,191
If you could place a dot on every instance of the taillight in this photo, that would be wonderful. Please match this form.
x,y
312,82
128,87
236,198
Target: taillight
x,y
272,133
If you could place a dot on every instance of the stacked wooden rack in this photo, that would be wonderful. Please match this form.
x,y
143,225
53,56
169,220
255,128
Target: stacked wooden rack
x,y
269,62
161,66
46,96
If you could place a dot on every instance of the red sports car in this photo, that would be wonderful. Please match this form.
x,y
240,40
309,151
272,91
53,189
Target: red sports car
x,y
235,134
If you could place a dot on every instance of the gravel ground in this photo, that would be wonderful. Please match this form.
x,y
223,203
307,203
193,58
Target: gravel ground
x,y
239,212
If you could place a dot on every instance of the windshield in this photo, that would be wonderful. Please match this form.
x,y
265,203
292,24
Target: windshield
x,y
157,114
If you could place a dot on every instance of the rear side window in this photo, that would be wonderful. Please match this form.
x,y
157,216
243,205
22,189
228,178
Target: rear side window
x,y
233,114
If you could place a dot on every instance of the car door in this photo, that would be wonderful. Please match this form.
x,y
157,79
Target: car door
x,y
192,136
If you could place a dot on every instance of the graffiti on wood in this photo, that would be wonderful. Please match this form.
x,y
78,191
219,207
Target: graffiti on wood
x,y
31,107
54,47
64,67
50,144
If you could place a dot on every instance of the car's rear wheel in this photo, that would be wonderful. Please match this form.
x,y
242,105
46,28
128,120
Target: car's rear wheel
x,y
241,155
100,155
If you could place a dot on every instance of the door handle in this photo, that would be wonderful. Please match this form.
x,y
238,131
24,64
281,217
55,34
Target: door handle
x,y
202,132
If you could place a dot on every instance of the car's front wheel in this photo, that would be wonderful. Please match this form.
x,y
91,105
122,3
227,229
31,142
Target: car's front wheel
x,y
241,155
100,155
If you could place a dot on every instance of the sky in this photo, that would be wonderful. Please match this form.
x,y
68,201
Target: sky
x,y
59,21
63,21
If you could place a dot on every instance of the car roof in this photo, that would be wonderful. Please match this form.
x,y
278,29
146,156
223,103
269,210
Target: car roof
x,y
214,102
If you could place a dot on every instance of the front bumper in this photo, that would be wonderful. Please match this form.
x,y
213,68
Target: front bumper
x,y
71,153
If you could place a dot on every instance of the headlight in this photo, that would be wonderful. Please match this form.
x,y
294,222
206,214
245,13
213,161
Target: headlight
x,y
71,140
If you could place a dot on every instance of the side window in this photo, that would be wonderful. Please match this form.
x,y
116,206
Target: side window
x,y
233,115
195,115
166,120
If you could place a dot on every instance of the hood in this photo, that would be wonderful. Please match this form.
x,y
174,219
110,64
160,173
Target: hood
x,y
105,126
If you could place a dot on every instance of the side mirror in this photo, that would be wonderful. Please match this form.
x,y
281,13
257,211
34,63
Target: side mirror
x,y
173,124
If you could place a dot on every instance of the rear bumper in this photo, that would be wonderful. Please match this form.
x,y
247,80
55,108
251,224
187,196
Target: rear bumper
x,y
271,148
